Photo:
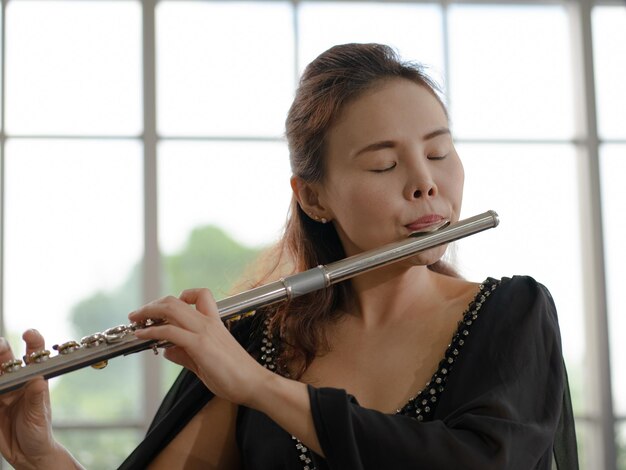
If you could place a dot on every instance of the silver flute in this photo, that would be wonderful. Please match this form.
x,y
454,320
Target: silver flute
x,y
94,350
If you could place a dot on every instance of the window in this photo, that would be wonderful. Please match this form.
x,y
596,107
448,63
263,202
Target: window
x,y
148,160
609,34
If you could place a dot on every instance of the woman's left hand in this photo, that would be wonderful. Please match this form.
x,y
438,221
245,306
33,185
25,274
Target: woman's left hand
x,y
202,344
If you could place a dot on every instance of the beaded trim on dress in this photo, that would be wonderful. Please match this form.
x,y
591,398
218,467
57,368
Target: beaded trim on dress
x,y
422,406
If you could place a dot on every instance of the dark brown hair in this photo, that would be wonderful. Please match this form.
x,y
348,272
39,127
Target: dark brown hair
x,y
335,78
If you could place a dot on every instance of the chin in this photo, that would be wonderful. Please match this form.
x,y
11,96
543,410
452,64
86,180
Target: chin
x,y
428,257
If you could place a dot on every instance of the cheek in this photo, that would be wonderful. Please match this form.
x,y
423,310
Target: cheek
x,y
461,177
459,181
361,211
452,185
354,197
352,206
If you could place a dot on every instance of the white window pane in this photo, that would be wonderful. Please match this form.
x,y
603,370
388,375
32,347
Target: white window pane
x,y
73,67
2,100
588,439
242,187
613,168
224,68
510,72
534,190
609,53
621,445
219,204
414,30
73,243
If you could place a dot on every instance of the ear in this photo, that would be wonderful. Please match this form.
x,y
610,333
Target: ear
x,y
308,196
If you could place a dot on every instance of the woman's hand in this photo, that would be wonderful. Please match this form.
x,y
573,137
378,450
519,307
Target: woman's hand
x,y
203,344
26,439
206,347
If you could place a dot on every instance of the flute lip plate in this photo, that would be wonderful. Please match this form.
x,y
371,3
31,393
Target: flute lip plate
x,y
432,228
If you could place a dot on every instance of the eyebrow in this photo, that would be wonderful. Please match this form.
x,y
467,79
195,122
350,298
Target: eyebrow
x,y
384,144
436,133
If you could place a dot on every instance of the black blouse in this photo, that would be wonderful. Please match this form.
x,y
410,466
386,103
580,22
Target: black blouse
x,y
500,393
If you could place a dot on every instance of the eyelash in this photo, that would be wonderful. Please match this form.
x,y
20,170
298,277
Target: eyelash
x,y
385,169
431,157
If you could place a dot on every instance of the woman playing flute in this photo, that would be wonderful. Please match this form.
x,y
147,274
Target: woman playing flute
x,y
408,366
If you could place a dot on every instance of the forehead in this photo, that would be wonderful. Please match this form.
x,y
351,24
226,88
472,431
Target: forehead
x,y
385,111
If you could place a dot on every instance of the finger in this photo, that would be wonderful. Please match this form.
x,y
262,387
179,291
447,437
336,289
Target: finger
x,y
6,355
37,399
5,351
36,392
167,309
34,341
174,334
179,356
201,298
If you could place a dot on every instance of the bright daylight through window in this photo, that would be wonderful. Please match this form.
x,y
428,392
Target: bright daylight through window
x,y
172,128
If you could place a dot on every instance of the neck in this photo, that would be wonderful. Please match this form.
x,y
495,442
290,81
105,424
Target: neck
x,y
388,294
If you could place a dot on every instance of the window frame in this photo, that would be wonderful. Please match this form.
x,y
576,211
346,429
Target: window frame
x,y
602,453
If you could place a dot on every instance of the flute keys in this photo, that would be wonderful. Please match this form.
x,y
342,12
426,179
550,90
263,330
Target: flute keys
x,y
92,341
11,366
37,357
152,322
66,348
115,334
100,365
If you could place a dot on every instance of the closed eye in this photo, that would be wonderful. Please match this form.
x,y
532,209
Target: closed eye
x,y
383,170
436,157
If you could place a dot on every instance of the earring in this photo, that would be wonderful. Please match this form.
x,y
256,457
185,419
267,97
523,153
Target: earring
x,y
317,218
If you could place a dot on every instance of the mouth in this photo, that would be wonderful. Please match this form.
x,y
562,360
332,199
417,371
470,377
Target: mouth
x,y
426,222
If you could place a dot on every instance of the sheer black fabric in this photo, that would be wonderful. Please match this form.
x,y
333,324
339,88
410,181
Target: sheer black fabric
x,y
505,406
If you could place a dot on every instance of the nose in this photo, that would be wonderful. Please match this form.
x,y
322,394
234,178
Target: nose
x,y
420,183
429,190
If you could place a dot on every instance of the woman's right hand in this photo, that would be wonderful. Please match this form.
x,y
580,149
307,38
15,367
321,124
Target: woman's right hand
x,y
26,439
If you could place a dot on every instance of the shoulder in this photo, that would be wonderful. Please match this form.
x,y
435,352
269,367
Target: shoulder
x,y
523,295
523,289
522,311
516,331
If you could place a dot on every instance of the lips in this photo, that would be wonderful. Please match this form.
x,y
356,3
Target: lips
x,y
423,222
